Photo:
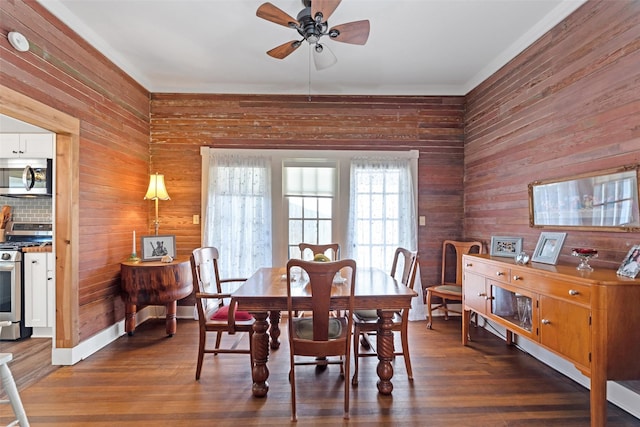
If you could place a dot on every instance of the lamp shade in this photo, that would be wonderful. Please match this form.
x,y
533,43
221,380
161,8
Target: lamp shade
x,y
323,57
157,189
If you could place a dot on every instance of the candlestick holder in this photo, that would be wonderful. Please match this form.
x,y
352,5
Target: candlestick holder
x,y
133,258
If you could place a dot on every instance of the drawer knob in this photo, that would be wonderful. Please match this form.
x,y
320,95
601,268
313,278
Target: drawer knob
x,y
499,273
573,292
482,294
546,321
516,277
468,264
487,298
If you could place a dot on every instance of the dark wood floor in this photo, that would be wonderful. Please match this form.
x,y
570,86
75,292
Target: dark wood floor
x,y
148,380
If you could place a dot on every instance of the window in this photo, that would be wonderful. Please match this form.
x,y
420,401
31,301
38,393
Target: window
x,y
382,211
364,203
309,192
238,211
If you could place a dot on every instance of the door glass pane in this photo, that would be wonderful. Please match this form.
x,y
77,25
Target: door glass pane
x,y
310,232
324,230
325,206
511,306
310,207
295,207
295,232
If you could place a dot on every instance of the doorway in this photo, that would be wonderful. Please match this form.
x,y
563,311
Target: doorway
x,y
66,215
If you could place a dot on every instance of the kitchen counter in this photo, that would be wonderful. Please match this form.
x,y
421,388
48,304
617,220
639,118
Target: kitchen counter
x,y
47,248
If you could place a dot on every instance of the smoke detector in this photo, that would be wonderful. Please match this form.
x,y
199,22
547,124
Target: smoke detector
x,y
18,41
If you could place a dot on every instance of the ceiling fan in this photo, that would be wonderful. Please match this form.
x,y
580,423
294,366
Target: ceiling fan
x,y
312,24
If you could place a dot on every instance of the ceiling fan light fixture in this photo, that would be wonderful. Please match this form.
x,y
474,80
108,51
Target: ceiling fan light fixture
x,y
310,26
323,57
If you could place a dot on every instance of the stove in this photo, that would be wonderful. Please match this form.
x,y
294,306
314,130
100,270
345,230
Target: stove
x,y
19,235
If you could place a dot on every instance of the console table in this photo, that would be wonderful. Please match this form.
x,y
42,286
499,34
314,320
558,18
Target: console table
x,y
591,319
145,283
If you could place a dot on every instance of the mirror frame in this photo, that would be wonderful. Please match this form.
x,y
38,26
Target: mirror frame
x,y
585,184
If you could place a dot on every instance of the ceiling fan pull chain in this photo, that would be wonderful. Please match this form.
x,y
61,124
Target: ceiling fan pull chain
x,y
309,74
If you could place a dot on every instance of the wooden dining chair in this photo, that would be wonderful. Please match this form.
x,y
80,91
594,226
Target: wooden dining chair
x,y
309,250
449,291
214,315
9,386
314,340
365,322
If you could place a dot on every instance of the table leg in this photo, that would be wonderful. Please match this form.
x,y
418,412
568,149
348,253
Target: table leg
x,y
171,323
385,351
274,331
260,344
129,318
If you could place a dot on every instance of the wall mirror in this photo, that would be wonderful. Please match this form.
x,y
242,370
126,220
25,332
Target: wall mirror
x,y
602,201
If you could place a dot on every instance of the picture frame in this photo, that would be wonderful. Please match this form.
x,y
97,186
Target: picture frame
x,y
630,266
155,247
506,246
548,248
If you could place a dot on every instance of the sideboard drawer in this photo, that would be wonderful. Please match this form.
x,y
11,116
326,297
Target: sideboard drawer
x,y
500,273
573,292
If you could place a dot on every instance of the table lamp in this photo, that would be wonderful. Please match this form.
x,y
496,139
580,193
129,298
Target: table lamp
x,y
156,191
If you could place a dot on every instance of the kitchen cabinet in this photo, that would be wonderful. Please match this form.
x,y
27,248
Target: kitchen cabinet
x,y
589,319
39,289
26,145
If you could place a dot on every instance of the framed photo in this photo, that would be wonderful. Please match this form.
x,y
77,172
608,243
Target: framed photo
x,y
155,247
630,267
548,247
506,246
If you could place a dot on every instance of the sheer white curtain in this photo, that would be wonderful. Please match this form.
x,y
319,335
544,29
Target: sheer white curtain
x,y
238,212
382,216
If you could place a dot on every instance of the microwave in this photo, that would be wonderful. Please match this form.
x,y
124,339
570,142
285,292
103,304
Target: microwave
x,y
26,177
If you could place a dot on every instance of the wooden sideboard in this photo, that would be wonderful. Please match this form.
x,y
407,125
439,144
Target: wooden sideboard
x,y
145,283
591,319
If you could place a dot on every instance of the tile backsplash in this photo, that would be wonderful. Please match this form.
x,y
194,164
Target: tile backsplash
x,y
29,210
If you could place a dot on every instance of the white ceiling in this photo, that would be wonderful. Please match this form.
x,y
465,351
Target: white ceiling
x,y
416,47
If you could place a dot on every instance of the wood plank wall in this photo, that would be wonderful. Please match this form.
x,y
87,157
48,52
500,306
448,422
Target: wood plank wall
x,y
63,71
182,123
569,104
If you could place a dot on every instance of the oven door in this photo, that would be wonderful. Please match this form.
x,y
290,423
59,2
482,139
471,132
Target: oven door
x,y
10,294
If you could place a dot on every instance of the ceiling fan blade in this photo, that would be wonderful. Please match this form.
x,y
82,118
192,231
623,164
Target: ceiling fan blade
x,y
356,32
284,49
274,14
326,7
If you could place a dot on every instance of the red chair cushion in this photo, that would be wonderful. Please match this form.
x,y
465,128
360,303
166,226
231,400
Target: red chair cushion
x,y
223,314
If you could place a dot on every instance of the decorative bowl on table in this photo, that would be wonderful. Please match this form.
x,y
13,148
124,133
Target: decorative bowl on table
x,y
585,254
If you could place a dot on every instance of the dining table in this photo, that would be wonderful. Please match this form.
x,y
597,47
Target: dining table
x,y
264,295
